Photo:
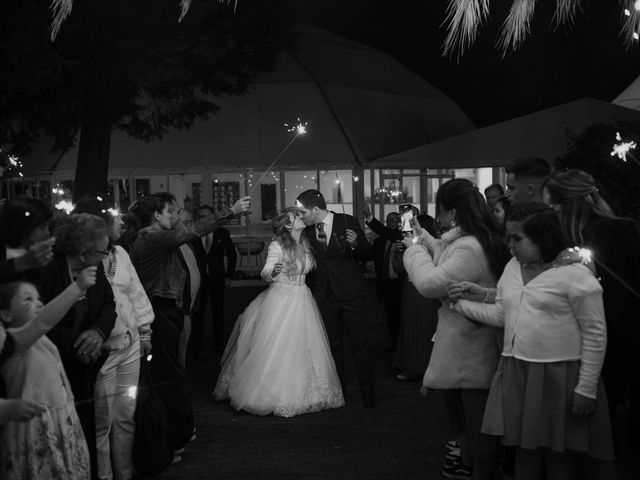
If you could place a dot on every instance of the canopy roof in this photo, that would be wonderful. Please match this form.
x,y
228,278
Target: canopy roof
x,y
360,103
540,134
630,96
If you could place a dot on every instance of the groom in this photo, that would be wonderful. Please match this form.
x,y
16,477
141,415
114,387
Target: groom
x,y
338,244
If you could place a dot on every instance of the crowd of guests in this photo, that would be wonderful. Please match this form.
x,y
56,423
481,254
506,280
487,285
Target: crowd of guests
x,y
85,299
532,344
520,306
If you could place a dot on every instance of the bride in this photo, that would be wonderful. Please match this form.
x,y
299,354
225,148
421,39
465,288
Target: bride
x,y
277,360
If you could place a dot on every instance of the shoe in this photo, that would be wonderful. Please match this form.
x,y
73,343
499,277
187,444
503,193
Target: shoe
x,y
367,400
193,435
452,456
402,376
452,445
457,470
177,453
176,459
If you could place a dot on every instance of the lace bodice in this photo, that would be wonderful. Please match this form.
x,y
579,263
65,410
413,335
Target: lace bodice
x,y
275,255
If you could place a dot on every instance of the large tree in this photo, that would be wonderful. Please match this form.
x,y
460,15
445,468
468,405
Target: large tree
x,y
128,65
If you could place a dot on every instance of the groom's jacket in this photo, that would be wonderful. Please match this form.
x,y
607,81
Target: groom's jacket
x,y
337,266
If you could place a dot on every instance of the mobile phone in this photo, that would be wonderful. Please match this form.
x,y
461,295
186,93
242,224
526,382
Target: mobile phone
x,y
406,215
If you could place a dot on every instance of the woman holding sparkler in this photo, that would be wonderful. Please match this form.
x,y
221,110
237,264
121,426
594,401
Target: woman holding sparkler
x,y
278,359
589,221
156,256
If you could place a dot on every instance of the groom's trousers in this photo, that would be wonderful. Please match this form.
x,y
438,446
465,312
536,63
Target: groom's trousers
x,y
348,317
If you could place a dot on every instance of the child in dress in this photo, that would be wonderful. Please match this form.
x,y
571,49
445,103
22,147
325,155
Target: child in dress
x,y
546,399
51,445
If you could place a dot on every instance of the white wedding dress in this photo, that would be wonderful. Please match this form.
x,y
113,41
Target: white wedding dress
x,y
278,360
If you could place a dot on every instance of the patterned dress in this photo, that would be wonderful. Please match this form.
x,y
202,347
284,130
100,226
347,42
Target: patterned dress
x,y
52,445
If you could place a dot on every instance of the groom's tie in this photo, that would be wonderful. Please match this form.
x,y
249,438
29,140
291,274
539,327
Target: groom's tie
x,y
321,234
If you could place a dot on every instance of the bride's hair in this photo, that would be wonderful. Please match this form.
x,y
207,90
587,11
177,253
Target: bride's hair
x,y
282,225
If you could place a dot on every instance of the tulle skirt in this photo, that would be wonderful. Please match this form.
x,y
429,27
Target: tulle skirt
x,y
278,360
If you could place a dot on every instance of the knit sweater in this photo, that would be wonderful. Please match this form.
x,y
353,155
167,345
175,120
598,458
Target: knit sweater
x,y
557,316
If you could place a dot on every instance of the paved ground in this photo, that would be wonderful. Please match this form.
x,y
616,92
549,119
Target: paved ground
x,y
401,438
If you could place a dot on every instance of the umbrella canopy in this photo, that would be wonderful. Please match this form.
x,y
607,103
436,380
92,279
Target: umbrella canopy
x,y
360,105
541,134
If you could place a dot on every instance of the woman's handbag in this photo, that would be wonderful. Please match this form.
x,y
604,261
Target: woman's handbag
x,y
152,441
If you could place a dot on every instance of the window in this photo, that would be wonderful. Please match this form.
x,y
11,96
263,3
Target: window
x,y
296,182
337,188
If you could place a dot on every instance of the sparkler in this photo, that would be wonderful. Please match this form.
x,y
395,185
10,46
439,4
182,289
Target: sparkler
x,y
301,129
65,205
622,149
14,164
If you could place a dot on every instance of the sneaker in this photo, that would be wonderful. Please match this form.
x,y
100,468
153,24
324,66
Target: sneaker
x,y
457,470
452,456
178,452
452,445
176,459
193,435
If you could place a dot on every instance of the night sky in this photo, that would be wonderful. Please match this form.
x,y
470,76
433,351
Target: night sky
x,y
551,68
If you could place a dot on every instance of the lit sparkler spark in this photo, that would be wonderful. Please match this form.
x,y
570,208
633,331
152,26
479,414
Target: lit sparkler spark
x,y
583,253
15,162
300,128
65,205
132,392
621,149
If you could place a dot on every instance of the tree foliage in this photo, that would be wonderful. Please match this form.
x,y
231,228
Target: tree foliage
x,y
128,65
618,181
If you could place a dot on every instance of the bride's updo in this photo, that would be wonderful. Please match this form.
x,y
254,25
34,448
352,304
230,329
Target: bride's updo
x,y
282,225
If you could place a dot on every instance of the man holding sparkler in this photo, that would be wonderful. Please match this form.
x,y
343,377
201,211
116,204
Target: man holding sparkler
x,y
338,244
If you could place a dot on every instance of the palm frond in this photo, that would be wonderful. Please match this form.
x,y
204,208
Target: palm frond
x,y
566,11
184,8
630,23
463,19
515,28
61,10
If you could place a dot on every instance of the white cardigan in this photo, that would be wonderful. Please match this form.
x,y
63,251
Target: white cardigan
x,y
557,316
465,353
133,307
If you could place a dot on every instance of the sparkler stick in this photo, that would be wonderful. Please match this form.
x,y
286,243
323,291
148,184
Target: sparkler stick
x,y
300,129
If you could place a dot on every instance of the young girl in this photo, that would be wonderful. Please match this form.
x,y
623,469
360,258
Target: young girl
x,y
278,359
51,445
547,399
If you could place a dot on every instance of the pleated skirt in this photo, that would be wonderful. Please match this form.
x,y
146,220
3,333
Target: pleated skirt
x,y
529,406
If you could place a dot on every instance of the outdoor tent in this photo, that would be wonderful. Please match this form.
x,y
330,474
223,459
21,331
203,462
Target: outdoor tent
x,y
360,103
630,96
541,134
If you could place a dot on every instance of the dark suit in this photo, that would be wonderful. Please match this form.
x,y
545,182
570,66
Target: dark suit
x,y
98,312
341,292
213,285
390,289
